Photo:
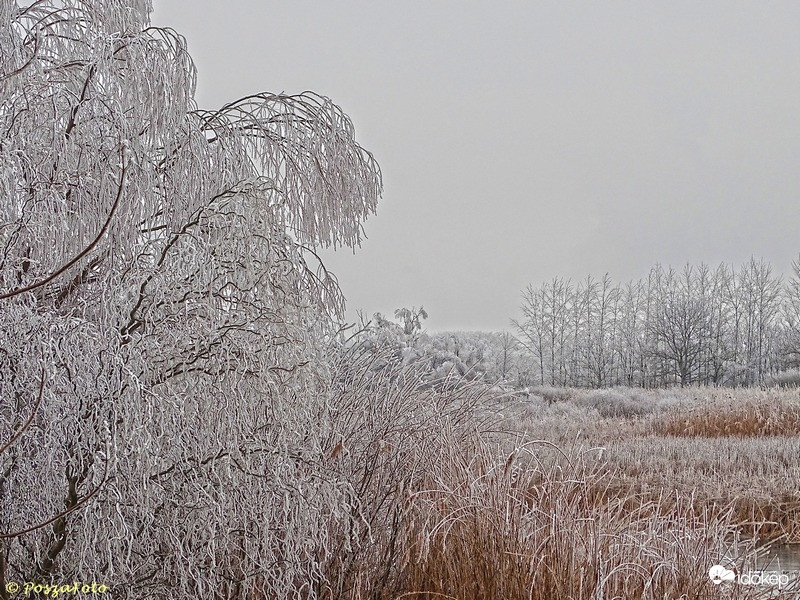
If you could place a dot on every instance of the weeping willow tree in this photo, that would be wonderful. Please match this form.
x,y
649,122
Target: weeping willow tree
x,y
164,422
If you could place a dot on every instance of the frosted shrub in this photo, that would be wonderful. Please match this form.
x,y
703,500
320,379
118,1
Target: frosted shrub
x,y
616,403
571,413
786,379
552,395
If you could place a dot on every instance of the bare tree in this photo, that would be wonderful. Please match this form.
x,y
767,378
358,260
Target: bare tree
x,y
758,303
768,288
533,328
599,352
630,333
678,327
505,360
557,301
585,345
718,354
700,325
790,342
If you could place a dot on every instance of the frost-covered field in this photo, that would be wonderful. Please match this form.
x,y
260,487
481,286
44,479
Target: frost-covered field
x,y
608,494
724,450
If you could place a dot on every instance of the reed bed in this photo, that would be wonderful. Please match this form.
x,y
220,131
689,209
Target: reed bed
x,y
529,526
581,495
530,530
746,414
734,448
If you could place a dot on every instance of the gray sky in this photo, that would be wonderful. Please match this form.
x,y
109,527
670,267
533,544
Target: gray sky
x,y
522,141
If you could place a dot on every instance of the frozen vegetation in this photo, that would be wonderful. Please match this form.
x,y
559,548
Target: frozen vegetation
x,y
700,325
182,414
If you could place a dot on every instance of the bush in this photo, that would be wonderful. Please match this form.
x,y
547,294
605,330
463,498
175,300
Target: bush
x,y
628,402
614,403
552,395
786,379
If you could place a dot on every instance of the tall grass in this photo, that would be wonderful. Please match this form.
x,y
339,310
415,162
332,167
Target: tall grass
x,y
753,414
727,447
531,525
527,528
591,496
453,507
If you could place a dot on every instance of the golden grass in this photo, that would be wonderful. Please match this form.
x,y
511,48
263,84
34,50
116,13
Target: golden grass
x,y
757,414
560,502
733,448
533,527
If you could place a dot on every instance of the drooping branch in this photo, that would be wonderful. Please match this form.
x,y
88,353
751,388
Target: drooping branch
x,y
329,183
66,266
28,422
73,504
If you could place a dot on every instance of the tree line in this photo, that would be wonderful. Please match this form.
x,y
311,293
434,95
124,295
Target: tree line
x,y
697,325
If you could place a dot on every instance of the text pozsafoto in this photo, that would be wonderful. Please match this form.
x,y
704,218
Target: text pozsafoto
x,y
54,590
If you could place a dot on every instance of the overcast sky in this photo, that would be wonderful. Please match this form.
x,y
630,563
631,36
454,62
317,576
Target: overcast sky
x,y
522,141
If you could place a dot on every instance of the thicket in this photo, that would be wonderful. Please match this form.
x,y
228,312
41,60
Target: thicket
x,y
495,358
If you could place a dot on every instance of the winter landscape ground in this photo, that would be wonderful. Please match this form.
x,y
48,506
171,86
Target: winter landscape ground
x,y
184,414
617,493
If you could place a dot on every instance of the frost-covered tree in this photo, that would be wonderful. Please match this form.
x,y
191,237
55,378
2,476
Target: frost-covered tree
x,y
697,326
412,318
164,425
533,330
790,339
678,327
